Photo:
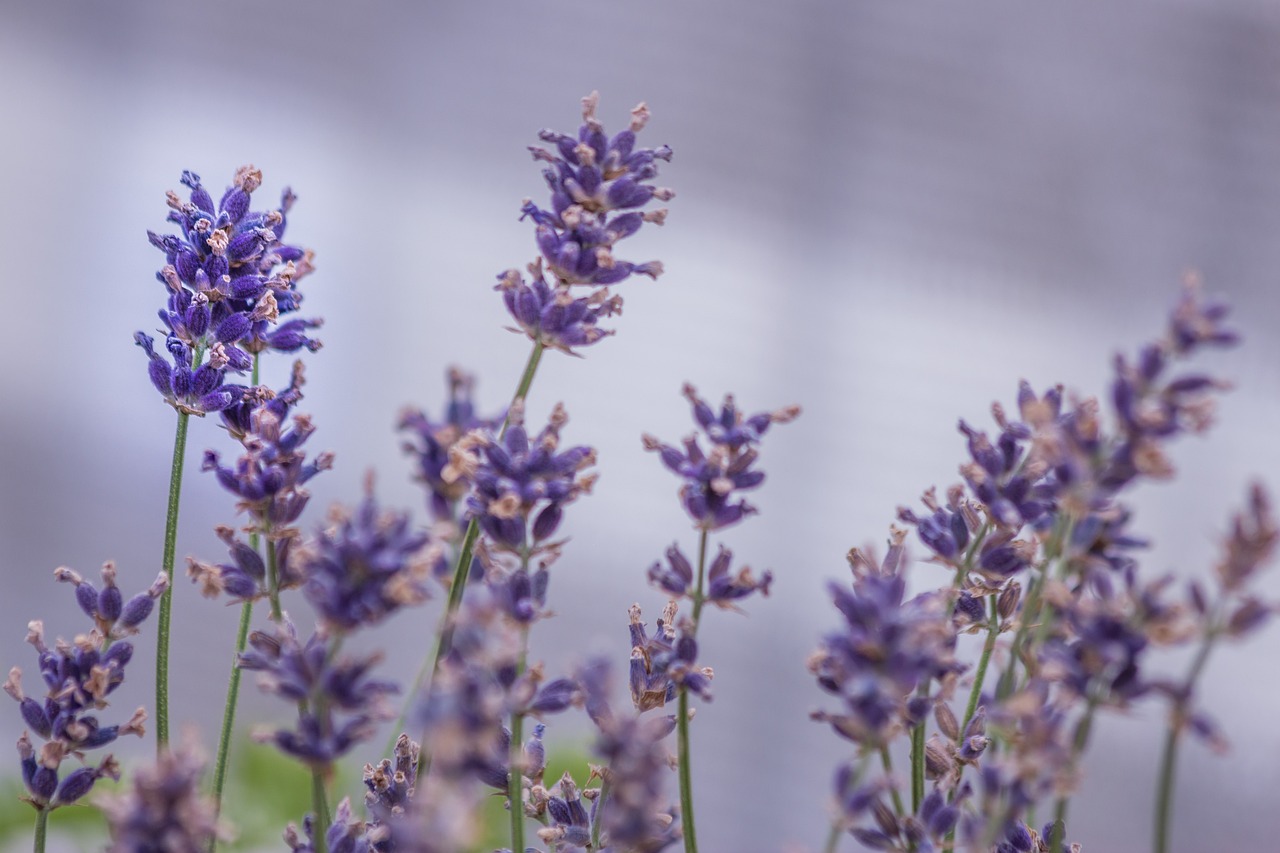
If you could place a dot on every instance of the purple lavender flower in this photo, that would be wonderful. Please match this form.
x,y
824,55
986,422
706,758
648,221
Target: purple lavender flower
x,y
522,483
164,808
79,676
432,442
724,589
480,685
366,565
268,478
886,648
113,617
665,662
636,815
238,417
592,179
553,316
228,278
340,703
714,478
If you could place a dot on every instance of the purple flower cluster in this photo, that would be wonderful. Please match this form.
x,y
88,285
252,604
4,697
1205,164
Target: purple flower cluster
x,y
365,566
888,646
164,809
339,703
433,441
714,478
663,663
78,677
268,478
228,278
638,816
724,588
598,186
521,483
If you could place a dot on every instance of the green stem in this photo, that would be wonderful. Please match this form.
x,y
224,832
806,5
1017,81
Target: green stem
x,y
980,675
273,578
463,566
887,762
686,775
320,805
917,759
1169,757
166,599
682,718
515,790
42,825
605,787
229,712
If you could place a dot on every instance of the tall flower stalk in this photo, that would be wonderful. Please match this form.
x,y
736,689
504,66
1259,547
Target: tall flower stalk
x,y
714,479
228,278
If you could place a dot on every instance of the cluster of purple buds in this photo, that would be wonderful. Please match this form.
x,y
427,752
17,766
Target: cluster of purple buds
x,y
365,566
79,676
229,278
715,477
268,478
165,806
724,588
432,442
389,785
479,686
638,816
238,417
666,661
113,617
592,179
887,647
598,187
340,704
521,483
553,316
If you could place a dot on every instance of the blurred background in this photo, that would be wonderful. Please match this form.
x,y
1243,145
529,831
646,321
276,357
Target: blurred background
x,y
887,213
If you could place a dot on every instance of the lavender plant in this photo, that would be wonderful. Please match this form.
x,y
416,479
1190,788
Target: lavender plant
x,y
1037,547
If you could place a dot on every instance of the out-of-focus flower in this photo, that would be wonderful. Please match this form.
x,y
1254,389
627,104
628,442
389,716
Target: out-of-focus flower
x,y
887,646
340,703
724,589
431,441
366,565
164,809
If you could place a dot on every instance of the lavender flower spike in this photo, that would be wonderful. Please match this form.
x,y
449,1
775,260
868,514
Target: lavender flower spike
x,y
165,802
593,179
715,476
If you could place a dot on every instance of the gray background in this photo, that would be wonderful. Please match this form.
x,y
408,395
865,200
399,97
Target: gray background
x,y
888,213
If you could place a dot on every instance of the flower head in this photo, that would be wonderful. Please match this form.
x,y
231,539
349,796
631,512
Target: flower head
x,y
431,442
713,478
165,801
343,703
366,565
598,186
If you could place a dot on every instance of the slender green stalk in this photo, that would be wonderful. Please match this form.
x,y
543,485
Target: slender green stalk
x,y
273,578
682,718
462,567
887,762
833,838
917,758
229,712
320,804
166,599
980,675
605,786
515,789
1169,756
42,825
686,774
